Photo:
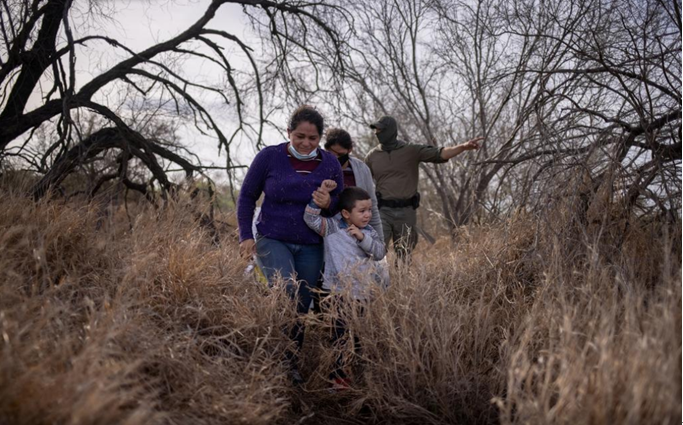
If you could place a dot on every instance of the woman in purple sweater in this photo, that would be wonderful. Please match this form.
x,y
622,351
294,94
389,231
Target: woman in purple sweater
x,y
288,175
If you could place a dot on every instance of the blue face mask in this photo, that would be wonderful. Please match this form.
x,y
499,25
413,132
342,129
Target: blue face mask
x,y
300,157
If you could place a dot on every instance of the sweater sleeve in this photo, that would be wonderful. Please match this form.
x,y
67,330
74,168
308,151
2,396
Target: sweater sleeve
x,y
251,190
376,220
319,224
364,180
373,245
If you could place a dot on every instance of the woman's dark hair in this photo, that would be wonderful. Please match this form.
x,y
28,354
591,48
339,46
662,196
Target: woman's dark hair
x,y
307,113
349,197
337,136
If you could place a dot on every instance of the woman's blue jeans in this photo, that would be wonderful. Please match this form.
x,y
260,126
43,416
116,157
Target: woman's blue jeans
x,y
294,262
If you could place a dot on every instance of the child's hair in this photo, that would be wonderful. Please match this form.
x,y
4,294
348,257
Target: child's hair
x,y
309,114
337,136
349,197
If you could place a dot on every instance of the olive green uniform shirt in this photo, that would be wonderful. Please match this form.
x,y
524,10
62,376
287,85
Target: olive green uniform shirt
x,y
396,172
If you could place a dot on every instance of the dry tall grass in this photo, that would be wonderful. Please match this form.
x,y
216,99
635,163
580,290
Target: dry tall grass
x,y
106,319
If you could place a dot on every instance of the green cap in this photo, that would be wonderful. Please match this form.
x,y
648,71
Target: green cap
x,y
384,122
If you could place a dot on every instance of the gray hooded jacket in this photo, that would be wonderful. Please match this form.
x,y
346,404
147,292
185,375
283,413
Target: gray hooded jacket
x,y
363,176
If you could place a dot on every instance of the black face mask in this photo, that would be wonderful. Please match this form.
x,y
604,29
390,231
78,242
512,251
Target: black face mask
x,y
388,134
343,159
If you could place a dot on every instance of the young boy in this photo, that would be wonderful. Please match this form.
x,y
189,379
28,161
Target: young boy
x,y
352,247
352,253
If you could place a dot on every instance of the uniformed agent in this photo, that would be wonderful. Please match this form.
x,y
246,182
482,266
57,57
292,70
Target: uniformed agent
x,y
395,168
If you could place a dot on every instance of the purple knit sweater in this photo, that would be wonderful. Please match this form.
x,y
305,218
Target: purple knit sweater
x,y
286,195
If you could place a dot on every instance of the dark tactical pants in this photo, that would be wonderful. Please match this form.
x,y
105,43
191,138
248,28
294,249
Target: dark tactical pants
x,y
399,224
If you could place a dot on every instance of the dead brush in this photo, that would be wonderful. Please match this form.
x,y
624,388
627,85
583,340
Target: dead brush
x,y
142,318
590,353
601,342
511,325
430,343
149,323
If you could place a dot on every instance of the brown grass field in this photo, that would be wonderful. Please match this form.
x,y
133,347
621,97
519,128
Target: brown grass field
x,y
115,316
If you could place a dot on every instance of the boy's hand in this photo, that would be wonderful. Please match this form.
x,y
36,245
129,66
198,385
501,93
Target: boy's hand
x,y
328,185
355,232
321,196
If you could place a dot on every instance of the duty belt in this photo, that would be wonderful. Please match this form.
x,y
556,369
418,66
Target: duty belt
x,y
398,203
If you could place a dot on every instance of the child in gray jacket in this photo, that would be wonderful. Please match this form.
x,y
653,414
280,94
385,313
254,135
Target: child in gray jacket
x,y
352,247
352,253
